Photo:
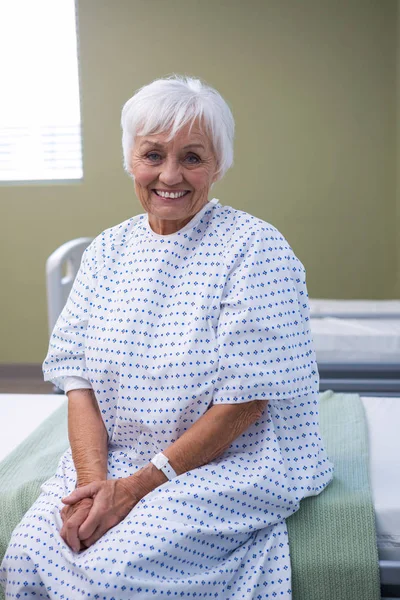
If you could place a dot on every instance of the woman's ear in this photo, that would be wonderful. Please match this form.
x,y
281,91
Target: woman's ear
x,y
216,176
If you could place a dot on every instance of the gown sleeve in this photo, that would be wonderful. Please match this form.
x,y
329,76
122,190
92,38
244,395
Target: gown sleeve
x,y
264,340
66,353
76,383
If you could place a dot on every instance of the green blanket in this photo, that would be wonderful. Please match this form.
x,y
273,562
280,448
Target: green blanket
x,y
332,536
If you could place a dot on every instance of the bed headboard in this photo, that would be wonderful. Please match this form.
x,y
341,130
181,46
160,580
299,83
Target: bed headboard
x,y
61,269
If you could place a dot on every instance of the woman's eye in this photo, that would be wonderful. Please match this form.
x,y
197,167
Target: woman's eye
x,y
153,156
193,159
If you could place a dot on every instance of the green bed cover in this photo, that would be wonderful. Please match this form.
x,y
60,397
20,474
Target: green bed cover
x,y
332,536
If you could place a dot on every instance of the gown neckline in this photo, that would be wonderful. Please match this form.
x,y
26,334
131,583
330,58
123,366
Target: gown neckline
x,y
197,217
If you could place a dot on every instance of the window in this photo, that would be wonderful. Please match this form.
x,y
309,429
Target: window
x,y
40,126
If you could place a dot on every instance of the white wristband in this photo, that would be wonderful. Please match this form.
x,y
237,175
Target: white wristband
x,y
162,463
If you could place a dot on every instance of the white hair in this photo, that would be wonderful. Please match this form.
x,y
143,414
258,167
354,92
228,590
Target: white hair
x,y
169,104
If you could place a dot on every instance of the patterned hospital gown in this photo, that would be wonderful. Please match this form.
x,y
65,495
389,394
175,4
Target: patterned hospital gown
x,y
164,326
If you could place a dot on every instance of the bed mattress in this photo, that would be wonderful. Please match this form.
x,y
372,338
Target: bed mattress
x,y
24,412
354,308
383,418
356,340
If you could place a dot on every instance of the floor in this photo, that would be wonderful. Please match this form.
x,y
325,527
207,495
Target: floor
x,y
23,379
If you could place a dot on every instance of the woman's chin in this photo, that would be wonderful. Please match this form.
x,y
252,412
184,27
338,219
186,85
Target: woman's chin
x,y
171,208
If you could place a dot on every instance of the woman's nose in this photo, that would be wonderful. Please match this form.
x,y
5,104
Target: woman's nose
x,y
171,173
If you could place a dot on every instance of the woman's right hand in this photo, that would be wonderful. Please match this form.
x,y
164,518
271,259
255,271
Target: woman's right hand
x,y
73,516
89,446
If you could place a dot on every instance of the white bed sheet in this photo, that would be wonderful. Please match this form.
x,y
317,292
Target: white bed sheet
x,y
349,308
383,421
356,340
20,414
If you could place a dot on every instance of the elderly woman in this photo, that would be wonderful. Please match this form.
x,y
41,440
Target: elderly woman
x,y
186,354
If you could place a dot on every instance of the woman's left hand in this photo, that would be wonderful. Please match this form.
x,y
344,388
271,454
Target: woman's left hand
x,y
112,501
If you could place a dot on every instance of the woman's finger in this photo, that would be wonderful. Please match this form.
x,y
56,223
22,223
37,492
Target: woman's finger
x,y
96,535
70,530
103,527
97,517
75,515
86,491
91,523
63,513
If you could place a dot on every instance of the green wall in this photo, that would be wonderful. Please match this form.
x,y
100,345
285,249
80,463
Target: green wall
x,y
312,86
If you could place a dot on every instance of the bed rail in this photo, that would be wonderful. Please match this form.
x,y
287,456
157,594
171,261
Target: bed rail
x,y
61,269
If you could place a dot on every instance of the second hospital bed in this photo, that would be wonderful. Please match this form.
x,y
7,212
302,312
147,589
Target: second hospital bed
x,y
354,309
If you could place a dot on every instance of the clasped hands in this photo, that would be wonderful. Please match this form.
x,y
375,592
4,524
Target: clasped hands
x,y
93,509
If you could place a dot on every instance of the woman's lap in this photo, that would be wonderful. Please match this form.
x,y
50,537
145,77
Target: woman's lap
x,y
158,544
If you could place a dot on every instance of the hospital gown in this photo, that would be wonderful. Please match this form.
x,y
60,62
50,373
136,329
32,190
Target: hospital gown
x,y
163,327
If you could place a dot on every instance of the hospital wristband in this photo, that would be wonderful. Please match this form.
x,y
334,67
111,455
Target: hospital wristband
x,y
162,463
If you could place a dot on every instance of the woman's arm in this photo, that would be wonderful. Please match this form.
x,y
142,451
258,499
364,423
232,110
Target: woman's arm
x,y
87,436
88,439
206,439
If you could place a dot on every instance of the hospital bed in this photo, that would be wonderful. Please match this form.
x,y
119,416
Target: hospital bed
x,y
358,350
361,354
61,269
358,355
357,344
354,309
382,416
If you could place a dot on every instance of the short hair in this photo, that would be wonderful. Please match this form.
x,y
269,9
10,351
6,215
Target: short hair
x,y
172,102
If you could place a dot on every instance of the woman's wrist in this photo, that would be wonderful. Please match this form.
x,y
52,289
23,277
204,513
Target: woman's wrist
x,y
86,478
146,480
89,469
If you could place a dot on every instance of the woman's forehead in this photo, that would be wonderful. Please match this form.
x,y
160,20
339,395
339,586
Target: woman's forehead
x,y
188,135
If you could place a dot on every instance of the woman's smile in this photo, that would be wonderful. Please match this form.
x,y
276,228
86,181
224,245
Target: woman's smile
x,y
171,194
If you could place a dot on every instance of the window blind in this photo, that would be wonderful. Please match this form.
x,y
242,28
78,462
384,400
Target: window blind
x,y
40,124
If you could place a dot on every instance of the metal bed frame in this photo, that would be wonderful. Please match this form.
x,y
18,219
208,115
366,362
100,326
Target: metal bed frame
x,y
61,269
367,379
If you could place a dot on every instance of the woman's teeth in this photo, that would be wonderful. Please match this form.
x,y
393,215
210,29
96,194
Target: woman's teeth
x,y
170,194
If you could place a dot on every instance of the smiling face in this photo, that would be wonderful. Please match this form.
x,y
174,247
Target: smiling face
x,y
173,178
